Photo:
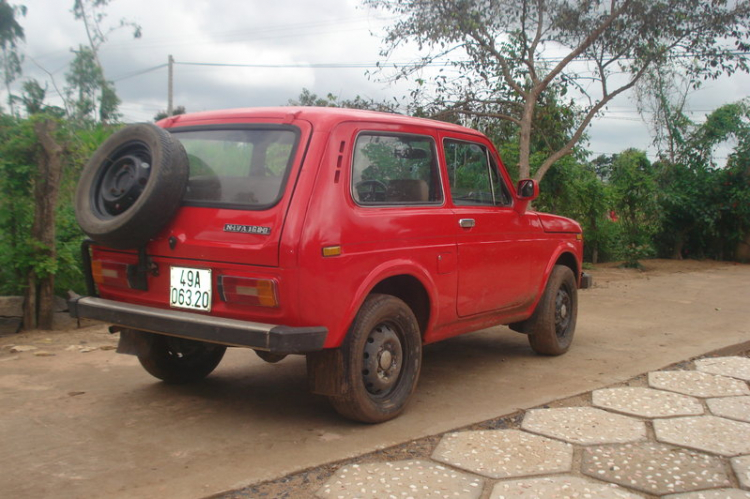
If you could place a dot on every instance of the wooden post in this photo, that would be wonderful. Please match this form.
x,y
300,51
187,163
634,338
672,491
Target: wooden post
x,y
39,307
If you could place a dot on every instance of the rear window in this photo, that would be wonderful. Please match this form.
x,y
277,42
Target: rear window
x,y
238,168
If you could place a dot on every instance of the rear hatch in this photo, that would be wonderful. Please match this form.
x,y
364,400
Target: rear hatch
x,y
241,181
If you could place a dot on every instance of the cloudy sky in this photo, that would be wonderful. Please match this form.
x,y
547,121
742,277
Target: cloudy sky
x,y
271,49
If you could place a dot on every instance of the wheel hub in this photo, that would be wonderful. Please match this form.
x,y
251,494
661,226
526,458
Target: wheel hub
x,y
383,360
123,183
562,311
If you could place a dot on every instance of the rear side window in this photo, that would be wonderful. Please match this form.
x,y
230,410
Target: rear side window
x,y
395,170
238,168
473,175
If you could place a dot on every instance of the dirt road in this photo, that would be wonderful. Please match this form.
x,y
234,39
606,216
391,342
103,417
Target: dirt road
x,y
78,420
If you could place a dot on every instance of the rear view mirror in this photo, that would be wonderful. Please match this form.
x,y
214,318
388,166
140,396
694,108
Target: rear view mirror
x,y
527,191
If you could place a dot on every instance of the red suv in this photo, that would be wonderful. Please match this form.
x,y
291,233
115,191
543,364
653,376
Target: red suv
x,y
351,237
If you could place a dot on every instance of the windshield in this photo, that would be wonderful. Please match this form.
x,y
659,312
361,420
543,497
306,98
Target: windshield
x,y
238,167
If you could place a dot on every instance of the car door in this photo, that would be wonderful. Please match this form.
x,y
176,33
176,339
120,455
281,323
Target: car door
x,y
493,239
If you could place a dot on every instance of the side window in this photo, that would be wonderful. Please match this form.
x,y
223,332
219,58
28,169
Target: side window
x,y
473,175
395,169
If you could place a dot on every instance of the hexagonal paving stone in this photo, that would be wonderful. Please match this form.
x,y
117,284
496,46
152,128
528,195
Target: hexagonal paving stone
x,y
504,453
646,402
654,468
731,407
697,384
712,494
741,467
559,487
584,425
736,367
400,479
709,433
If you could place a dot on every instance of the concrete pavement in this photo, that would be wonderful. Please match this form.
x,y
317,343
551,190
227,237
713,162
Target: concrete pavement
x,y
684,434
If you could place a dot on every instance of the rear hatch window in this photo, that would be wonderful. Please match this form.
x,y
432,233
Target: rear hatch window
x,y
239,168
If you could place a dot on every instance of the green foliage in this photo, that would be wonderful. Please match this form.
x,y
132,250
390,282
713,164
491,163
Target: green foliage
x,y
495,52
634,193
164,114
11,33
90,97
19,253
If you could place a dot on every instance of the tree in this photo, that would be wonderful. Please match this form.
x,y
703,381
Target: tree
x,y
634,191
87,68
90,98
11,33
164,114
499,51
662,95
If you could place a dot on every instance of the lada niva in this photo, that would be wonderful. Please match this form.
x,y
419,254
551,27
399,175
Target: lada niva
x,y
351,237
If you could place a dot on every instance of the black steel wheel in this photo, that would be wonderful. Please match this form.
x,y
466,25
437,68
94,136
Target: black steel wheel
x,y
382,359
132,186
177,360
553,324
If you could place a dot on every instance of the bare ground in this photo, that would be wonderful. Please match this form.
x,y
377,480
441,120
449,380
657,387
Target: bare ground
x,y
616,281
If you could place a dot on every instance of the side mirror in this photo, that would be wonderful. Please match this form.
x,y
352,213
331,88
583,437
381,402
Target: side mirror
x,y
527,191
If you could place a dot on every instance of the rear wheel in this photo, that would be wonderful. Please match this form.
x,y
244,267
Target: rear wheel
x,y
553,324
382,359
177,360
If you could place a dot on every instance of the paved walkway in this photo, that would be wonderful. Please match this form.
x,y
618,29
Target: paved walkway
x,y
682,434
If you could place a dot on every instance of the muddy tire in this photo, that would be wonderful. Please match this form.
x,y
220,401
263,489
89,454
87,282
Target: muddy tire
x,y
132,186
553,324
177,360
382,359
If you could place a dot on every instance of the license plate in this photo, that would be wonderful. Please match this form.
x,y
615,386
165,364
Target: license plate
x,y
190,288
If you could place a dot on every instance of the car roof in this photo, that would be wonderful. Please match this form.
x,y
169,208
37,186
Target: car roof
x,y
320,117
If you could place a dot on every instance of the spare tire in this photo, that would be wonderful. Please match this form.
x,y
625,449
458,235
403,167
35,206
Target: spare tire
x,y
132,186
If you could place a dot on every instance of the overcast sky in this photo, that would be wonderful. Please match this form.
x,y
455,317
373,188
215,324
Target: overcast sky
x,y
292,35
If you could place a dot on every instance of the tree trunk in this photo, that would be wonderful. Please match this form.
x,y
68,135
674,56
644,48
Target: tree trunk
x,y
679,244
29,302
40,293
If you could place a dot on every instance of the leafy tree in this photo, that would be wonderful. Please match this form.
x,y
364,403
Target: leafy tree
x,y
496,48
40,161
96,97
33,98
661,96
634,192
11,33
90,97
163,114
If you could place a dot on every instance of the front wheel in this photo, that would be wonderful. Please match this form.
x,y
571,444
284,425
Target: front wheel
x,y
382,359
177,360
553,324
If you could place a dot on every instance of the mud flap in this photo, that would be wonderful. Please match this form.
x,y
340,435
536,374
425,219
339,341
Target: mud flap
x,y
325,372
134,342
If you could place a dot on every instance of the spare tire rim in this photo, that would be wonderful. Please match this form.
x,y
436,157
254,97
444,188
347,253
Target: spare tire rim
x,y
383,360
563,309
121,180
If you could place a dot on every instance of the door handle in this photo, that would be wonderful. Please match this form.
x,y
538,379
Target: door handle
x,y
466,223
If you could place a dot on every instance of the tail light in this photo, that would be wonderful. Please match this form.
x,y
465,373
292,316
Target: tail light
x,y
110,273
247,291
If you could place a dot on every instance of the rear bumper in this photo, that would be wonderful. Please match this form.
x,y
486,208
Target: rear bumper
x,y
231,332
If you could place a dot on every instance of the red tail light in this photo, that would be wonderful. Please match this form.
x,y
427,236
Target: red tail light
x,y
110,273
247,291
